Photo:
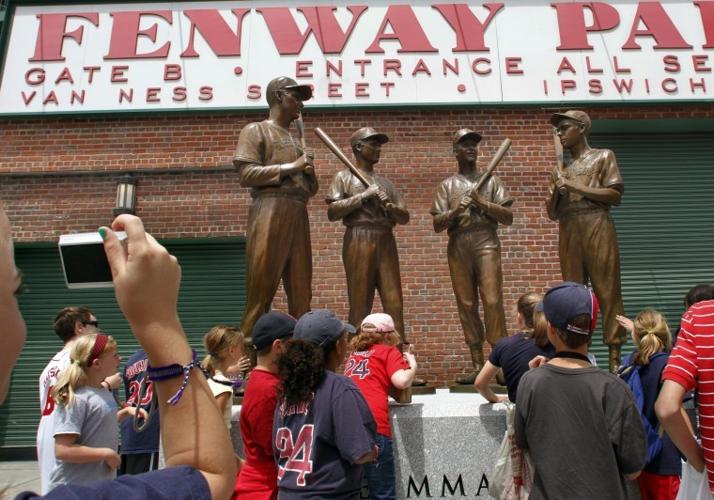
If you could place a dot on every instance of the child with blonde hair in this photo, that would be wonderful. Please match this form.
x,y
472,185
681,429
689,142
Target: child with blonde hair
x,y
224,365
86,425
653,341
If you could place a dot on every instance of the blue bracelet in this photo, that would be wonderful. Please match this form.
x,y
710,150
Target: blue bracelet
x,y
173,371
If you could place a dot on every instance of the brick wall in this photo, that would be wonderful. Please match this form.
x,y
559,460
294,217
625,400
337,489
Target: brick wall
x,y
177,204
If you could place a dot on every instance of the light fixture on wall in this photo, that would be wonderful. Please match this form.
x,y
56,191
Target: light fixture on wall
x,y
126,195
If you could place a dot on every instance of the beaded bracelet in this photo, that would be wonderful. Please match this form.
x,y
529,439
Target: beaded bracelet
x,y
172,371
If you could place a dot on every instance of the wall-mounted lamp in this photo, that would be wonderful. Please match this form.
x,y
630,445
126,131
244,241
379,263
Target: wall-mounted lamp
x,y
126,195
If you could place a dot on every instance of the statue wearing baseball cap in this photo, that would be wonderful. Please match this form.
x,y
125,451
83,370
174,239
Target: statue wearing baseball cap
x,y
369,251
474,250
281,177
580,198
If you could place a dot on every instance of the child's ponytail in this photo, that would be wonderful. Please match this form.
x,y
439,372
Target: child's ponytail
x,y
84,351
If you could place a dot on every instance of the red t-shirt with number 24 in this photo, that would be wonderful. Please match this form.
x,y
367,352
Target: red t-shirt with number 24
x,y
372,371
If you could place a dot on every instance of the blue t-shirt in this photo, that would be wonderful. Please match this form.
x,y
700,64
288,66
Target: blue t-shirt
x,y
512,354
669,460
146,441
317,443
173,483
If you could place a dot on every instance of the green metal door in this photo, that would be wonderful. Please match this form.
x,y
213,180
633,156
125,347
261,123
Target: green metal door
x,y
665,225
212,291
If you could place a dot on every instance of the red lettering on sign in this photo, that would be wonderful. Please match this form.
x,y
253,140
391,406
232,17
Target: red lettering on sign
x,y
392,65
387,86
302,69
215,31
513,66
205,93
321,22
362,89
118,74
699,64
671,64
469,30
52,32
571,23
125,34
621,85
595,87
590,68
405,29
566,85
706,11
333,90
90,72
658,25
172,72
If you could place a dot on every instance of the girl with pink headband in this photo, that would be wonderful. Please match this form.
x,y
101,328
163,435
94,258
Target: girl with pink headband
x,y
86,424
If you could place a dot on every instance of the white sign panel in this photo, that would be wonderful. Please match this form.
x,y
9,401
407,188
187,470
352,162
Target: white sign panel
x,y
160,56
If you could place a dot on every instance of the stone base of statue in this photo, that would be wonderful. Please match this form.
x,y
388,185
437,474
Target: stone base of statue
x,y
446,445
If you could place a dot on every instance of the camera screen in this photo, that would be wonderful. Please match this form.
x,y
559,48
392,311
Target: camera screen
x,y
85,264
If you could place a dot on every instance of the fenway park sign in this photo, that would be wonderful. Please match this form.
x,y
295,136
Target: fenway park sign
x,y
209,55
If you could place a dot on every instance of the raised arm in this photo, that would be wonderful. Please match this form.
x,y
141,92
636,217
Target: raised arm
x,y
13,324
146,279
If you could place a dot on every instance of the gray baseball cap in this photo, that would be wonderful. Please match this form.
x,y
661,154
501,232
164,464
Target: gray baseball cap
x,y
321,327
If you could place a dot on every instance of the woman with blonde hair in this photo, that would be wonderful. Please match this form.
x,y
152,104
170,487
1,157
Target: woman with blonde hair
x,y
513,353
653,341
86,424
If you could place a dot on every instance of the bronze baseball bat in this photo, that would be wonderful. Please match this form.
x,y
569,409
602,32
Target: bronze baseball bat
x,y
300,127
502,150
332,146
559,160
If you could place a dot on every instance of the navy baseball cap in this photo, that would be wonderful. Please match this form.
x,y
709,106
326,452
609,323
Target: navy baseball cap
x,y
321,327
270,327
567,300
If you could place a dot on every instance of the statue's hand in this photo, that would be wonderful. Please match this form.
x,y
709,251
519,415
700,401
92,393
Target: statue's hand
x,y
479,201
370,191
382,195
464,203
563,184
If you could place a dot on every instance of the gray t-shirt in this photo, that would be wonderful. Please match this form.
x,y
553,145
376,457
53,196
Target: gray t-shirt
x,y
92,415
583,431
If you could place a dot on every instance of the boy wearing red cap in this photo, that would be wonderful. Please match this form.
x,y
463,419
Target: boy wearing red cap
x,y
580,423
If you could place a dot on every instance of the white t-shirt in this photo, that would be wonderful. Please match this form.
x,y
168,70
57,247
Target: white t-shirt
x,y
45,431
218,388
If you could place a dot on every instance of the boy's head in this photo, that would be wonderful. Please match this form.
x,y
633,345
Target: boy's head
x,y
272,326
571,310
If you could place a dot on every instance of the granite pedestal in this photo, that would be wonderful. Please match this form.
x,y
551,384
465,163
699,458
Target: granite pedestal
x,y
445,444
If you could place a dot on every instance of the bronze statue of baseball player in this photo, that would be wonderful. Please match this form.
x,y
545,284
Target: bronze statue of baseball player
x,y
369,251
282,179
580,197
471,220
